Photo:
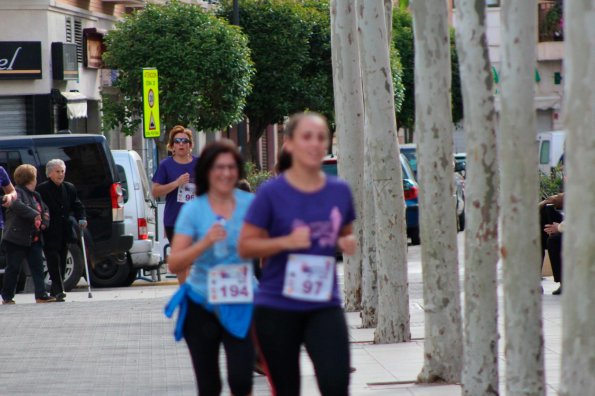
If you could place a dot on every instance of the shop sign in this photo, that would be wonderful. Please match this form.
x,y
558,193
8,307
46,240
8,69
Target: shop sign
x,y
20,60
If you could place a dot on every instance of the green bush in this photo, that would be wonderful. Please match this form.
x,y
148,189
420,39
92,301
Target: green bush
x,y
551,184
255,176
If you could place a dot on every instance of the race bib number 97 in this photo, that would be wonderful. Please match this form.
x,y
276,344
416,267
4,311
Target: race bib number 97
x,y
230,284
309,277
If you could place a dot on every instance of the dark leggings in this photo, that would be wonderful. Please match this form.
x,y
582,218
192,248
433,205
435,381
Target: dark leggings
x,y
204,334
280,335
56,262
554,249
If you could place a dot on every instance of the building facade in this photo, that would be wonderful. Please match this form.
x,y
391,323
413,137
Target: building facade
x,y
549,70
50,64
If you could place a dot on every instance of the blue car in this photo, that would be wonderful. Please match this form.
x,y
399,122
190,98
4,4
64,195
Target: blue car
x,y
410,189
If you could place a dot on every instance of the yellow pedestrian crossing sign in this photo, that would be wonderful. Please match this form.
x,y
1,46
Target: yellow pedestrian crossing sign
x,y
151,124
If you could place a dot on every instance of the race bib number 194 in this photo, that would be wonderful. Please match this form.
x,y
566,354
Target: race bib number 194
x,y
309,277
230,284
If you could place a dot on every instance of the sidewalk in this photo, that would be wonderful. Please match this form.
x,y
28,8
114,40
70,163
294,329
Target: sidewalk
x,y
119,343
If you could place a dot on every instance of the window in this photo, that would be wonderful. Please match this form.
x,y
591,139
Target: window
x,y
74,34
10,160
144,181
86,164
544,155
123,182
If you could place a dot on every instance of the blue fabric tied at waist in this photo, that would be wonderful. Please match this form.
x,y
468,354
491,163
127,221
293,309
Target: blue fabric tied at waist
x,y
235,318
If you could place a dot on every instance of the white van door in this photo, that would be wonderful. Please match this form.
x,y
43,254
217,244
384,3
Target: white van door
x,y
545,153
148,208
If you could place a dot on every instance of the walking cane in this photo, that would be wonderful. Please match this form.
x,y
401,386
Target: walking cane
x,y
86,262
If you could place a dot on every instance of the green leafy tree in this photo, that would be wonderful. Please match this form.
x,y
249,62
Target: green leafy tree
x,y
403,42
204,68
291,49
281,37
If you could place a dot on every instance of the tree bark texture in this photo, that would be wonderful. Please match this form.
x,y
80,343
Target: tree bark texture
x,y
388,18
520,241
443,344
349,118
480,358
381,141
578,298
369,312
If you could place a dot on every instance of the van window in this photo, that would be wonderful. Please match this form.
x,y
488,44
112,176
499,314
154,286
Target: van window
x,y
86,163
144,181
123,182
10,160
544,155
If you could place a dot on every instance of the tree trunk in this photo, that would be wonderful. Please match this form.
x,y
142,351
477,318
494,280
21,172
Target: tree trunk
x,y
349,118
433,122
369,312
480,371
381,139
256,131
578,325
519,196
388,17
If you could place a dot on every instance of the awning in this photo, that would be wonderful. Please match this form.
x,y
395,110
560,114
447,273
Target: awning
x,y
76,104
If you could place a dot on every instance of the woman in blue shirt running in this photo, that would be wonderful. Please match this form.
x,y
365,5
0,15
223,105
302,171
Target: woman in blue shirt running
x,y
216,299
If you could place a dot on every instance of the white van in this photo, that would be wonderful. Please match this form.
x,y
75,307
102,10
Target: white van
x,y
551,149
139,210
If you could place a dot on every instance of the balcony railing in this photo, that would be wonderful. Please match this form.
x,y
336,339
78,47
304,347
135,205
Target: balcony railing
x,y
551,20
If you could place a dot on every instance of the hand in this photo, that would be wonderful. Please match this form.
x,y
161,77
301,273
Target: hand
x,y
37,221
6,200
183,179
298,239
83,224
552,228
347,244
216,233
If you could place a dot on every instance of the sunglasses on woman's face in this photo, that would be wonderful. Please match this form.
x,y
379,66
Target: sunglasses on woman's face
x,y
181,140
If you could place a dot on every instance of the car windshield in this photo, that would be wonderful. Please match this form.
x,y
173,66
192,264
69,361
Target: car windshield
x,y
411,156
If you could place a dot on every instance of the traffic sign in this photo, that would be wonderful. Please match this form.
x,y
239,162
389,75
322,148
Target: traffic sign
x,y
151,124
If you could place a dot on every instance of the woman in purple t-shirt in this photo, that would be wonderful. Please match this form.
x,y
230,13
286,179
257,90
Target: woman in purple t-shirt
x,y
297,221
175,177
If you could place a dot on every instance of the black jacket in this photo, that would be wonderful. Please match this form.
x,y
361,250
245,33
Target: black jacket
x,y
19,227
62,202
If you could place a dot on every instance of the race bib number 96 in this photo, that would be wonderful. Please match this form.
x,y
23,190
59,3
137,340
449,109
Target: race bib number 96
x,y
186,192
309,277
230,284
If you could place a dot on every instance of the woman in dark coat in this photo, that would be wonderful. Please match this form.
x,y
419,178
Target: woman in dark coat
x,y
22,239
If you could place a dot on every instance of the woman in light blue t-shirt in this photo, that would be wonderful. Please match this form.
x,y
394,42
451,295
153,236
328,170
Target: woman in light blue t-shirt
x,y
216,299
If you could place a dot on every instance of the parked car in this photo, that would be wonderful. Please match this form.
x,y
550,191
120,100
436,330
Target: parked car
x,y
461,163
410,152
410,189
91,168
139,212
551,149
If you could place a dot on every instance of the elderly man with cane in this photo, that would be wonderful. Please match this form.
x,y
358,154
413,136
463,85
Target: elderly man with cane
x,y
63,202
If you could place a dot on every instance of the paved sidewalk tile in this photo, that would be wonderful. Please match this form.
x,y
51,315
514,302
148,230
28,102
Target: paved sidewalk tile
x,y
120,343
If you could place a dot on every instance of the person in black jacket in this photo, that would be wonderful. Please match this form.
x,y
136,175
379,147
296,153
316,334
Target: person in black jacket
x,y
26,218
63,202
